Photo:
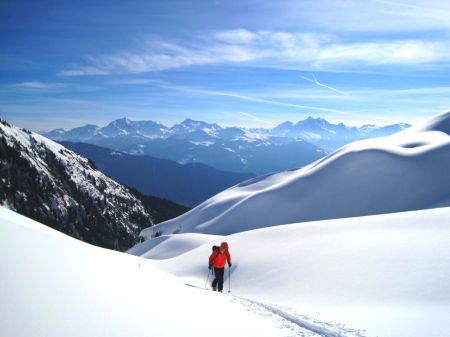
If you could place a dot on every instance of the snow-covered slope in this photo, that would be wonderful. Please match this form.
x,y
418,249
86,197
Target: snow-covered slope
x,y
385,274
47,182
406,171
52,286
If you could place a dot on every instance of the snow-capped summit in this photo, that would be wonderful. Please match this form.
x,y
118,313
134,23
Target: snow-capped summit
x,y
196,125
282,129
312,122
402,172
189,127
150,129
124,127
119,127
81,134
232,133
56,133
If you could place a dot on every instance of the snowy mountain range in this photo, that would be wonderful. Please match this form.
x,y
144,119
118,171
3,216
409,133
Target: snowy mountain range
x,y
406,171
188,184
330,136
47,182
258,151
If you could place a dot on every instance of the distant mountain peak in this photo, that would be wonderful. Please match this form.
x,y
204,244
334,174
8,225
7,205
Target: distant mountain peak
x,y
88,127
310,118
311,121
194,123
124,121
285,124
190,121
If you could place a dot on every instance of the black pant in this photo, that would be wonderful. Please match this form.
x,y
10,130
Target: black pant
x,y
218,281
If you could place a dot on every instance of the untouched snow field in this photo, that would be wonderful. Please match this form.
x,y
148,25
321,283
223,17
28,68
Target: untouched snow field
x,y
52,285
385,274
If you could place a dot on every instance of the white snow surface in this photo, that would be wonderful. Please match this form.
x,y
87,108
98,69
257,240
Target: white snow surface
x,y
174,245
402,172
383,275
52,286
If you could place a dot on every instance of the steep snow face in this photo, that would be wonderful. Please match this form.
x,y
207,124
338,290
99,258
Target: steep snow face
x,y
406,171
53,286
45,181
385,274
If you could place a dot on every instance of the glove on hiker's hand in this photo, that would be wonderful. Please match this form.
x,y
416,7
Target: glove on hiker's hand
x,y
229,265
210,266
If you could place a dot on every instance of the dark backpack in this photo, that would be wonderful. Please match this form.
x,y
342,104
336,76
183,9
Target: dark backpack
x,y
216,251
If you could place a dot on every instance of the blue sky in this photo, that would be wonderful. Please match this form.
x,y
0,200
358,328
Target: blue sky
x,y
247,62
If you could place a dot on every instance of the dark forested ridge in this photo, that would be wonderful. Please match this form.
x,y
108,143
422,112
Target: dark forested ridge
x,y
51,184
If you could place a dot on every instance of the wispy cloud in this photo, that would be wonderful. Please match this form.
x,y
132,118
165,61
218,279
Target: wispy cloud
x,y
383,17
236,36
159,56
275,49
34,85
429,8
135,81
398,52
84,71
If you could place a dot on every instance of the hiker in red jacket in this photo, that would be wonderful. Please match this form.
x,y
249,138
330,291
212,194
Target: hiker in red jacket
x,y
217,260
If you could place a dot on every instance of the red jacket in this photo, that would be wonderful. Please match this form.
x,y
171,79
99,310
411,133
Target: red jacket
x,y
219,257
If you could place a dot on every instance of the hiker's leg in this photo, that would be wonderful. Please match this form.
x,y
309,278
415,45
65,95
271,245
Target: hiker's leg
x,y
219,277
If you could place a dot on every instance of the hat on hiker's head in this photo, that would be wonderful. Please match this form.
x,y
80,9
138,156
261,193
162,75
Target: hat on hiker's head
x,y
224,245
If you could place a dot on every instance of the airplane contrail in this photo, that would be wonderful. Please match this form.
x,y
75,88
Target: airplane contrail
x,y
315,81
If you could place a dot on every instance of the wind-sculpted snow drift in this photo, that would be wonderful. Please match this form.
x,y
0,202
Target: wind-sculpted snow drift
x,y
402,172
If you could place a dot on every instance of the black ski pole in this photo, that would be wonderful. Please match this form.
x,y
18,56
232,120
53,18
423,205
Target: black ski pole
x,y
209,271
229,279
